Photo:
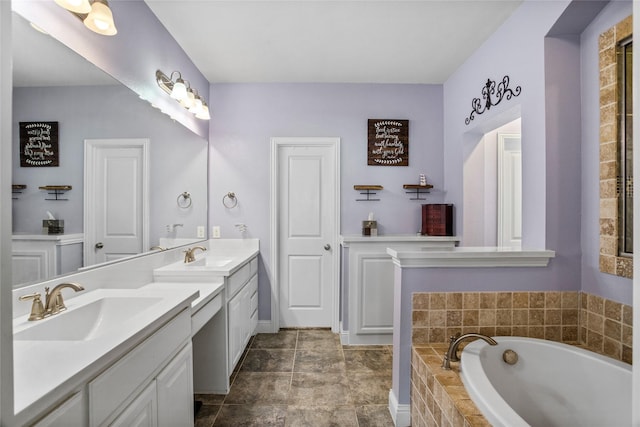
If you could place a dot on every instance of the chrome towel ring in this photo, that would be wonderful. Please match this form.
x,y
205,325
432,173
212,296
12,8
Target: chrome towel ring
x,y
230,200
184,200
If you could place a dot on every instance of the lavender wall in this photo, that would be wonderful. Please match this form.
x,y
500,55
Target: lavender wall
x,y
119,114
593,281
245,116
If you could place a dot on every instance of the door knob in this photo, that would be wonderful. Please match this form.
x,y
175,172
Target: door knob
x,y
99,245
327,247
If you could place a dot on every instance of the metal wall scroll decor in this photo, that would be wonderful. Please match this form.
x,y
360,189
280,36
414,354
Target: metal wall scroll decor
x,y
492,94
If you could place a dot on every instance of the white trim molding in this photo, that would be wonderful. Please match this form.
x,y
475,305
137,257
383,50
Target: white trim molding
x,y
471,257
401,414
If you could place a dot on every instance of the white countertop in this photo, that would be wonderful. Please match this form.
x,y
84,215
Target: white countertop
x,y
394,238
46,369
207,290
470,257
48,237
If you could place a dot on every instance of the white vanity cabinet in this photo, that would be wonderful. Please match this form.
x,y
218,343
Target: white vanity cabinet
x,y
243,319
151,385
367,284
70,413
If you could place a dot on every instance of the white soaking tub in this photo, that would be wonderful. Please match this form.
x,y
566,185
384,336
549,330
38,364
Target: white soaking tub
x,y
551,384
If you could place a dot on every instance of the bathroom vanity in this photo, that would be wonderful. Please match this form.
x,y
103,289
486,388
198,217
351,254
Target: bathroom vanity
x,y
127,347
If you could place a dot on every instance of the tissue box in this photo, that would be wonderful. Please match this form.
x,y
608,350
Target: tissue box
x,y
369,228
53,226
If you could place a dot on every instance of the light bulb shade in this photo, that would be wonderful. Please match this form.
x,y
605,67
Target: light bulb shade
x,y
189,100
179,90
196,108
204,113
100,19
76,6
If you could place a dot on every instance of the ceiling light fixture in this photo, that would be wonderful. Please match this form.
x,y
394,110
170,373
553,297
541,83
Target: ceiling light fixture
x,y
181,91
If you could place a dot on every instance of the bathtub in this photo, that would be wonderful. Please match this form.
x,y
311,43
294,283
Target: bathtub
x,y
551,384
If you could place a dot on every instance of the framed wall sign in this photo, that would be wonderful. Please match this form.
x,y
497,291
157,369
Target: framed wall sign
x,y
388,142
39,144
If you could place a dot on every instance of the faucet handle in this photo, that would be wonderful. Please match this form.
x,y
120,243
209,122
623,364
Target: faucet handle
x,y
37,309
57,305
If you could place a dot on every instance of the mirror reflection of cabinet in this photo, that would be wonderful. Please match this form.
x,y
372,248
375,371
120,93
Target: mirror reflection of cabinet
x,y
37,257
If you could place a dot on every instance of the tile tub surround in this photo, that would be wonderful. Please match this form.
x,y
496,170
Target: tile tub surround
x,y
573,317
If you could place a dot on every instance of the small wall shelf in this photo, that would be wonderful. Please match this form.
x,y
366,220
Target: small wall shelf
x,y
56,190
368,190
417,189
17,189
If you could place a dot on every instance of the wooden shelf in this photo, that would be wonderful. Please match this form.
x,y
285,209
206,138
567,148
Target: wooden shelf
x,y
56,190
417,189
17,189
368,190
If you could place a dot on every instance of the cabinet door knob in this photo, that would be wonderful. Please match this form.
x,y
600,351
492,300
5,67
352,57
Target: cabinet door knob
x,y
99,245
327,247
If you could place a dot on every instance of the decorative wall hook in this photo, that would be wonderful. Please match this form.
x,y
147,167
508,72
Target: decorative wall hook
x,y
492,94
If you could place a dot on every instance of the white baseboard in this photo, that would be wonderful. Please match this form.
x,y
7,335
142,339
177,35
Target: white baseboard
x,y
401,414
265,327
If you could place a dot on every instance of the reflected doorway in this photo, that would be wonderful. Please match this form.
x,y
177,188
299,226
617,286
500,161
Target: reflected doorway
x,y
492,180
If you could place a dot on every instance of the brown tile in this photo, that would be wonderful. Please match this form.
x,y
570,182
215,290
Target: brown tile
x,y
470,300
420,336
595,304
553,333
570,299
309,339
369,389
454,318
521,300
209,399
470,317
504,300
206,415
488,330
613,330
613,310
569,334
321,416
437,335
627,354
320,360
536,299
488,300
520,331
552,317
504,317
536,317
438,318
627,315
454,300
487,317
372,361
420,318
504,331
569,317
268,360
536,332
285,338
612,348
627,335
476,421
437,301
251,415
552,300
594,340
451,332
259,388
420,300
374,416
595,323
319,389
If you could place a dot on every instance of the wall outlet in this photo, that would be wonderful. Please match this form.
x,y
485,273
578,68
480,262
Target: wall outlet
x,y
215,232
200,232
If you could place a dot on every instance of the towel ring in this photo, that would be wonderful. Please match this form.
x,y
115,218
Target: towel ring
x,y
184,200
232,200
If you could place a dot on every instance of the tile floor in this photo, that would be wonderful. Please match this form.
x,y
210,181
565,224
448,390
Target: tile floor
x,y
304,378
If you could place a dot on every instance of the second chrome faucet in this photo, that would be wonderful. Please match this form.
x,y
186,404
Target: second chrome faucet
x,y
189,254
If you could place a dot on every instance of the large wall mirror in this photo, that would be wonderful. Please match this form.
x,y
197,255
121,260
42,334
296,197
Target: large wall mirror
x,y
52,84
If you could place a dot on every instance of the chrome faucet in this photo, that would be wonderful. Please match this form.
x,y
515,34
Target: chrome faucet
x,y
454,343
53,300
54,303
189,254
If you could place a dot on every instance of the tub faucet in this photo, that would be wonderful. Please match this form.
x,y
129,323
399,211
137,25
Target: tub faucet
x,y
189,254
454,342
53,300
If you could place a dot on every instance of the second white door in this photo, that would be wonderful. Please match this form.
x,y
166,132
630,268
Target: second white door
x,y
307,200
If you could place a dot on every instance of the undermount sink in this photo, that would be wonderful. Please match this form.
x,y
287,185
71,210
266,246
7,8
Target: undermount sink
x,y
209,261
87,321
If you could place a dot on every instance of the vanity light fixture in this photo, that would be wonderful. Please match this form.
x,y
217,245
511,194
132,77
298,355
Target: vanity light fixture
x,y
75,6
181,91
96,15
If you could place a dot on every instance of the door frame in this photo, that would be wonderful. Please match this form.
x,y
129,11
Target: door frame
x,y
90,146
504,200
276,144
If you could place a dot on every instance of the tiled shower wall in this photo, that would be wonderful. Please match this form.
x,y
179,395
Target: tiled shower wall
x,y
602,325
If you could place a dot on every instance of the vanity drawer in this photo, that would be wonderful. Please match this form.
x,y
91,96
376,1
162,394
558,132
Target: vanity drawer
x,y
203,315
117,384
253,291
237,280
254,265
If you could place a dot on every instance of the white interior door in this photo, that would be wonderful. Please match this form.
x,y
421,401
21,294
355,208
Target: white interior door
x,y
306,201
116,202
509,190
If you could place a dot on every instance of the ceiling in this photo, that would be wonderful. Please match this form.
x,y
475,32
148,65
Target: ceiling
x,y
310,41
340,41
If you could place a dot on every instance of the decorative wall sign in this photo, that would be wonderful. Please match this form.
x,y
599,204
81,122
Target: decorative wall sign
x,y
39,144
388,142
492,95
